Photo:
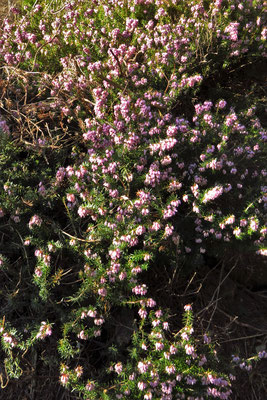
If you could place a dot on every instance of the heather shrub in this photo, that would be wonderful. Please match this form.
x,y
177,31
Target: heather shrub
x,y
90,200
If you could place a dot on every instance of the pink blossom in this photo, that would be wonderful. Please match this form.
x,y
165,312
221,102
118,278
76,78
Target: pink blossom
x,y
8,338
206,339
118,368
140,230
142,313
102,292
230,220
82,335
190,380
122,276
188,307
35,220
143,367
83,212
91,313
38,272
189,349
253,224
90,386
168,230
64,378
155,226
140,290
159,346
184,336
221,103
148,396
45,330
212,194
114,254
99,321
141,385
165,326
170,369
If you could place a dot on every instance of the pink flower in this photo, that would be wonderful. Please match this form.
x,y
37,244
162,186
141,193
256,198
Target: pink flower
x,y
83,212
35,220
102,292
188,307
90,386
230,220
91,313
99,321
140,230
71,197
221,104
165,326
237,232
144,347
253,224
190,380
159,346
151,303
206,339
173,349
143,367
45,330
118,368
142,313
189,349
148,395
155,226
167,355
82,335
243,222
185,336
170,369
38,272
122,276
140,289
141,385
114,254
132,377
64,378
212,194
79,371
168,230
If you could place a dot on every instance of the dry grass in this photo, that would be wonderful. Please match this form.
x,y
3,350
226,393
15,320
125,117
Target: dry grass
x,y
5,6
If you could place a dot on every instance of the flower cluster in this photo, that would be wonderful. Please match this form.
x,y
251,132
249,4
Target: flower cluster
x,y
44,331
